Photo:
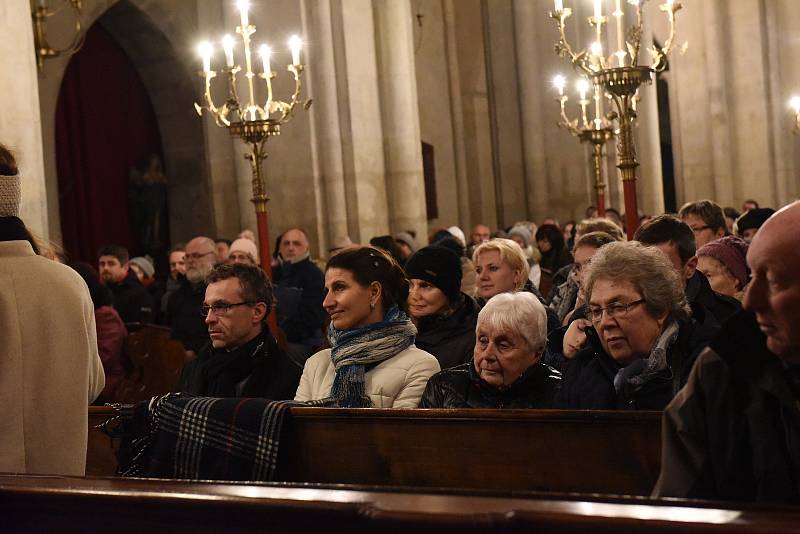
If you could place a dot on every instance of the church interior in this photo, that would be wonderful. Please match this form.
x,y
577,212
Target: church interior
x,y
147,123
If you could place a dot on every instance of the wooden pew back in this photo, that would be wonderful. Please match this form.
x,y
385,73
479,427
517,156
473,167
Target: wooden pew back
x,y
530,450
154,361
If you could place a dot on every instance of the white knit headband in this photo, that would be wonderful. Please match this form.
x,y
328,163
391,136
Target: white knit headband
x,y
10,195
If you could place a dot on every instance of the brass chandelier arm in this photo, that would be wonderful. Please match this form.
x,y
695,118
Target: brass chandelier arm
x,y
564,49
44,49
660,53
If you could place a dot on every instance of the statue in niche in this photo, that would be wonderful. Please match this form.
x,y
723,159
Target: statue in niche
x,y
147,200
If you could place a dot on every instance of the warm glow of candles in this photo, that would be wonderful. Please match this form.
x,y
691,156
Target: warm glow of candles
x,y
794,103
598,9
559,82
243,6
265,52
596,49
205,49
227,46
620,16
598,108
295,44
559,6
583,87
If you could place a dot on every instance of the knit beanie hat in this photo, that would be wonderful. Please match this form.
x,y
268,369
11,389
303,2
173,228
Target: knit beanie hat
x,y
458,233
522,232
10,195
245,245
439,266
408,239
753,219
145,265
731,252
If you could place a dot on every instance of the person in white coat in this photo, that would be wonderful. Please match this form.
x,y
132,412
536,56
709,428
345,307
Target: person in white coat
x,y
372,361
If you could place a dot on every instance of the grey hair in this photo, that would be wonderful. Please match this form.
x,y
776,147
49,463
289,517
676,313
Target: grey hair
x,y
510,253
521,313
647,269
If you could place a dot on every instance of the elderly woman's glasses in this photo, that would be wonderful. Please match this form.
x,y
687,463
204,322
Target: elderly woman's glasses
x,y
222,309
613,310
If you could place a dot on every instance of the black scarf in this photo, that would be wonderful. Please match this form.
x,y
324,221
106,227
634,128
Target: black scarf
x,y
222,371
13,229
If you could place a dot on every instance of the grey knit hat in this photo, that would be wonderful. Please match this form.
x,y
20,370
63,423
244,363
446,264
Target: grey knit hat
x,y
10,195
145,265
408,239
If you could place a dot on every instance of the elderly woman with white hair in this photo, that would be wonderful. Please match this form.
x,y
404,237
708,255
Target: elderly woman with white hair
x,y
506,369
643,337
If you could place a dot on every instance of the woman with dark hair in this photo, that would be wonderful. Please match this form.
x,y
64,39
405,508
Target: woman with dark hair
x,y
372,361
388,244
555,254
445,316
111,331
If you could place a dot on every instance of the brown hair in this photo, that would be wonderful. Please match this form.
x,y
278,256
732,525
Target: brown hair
x,y
371,264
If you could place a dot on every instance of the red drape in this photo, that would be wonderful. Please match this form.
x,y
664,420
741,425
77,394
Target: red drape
x,y
105,126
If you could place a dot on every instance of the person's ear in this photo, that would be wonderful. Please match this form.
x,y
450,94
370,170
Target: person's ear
x,y
259,311
375,293
690,268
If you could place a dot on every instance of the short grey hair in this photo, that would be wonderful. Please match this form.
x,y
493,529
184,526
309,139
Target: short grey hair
x,y
647,269
510,253
521,313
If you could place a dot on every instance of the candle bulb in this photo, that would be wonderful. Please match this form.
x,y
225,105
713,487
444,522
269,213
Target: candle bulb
x,y
619,14
598,108
243,6
295,43
559,6
598,10
205,49
227,46
559,82
794,103
583,88
265,52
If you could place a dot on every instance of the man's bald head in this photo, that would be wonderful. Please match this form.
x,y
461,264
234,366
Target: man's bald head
x,y
201,257
774,291
480,233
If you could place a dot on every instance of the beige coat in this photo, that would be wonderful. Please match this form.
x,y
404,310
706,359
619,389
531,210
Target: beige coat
x,y
49,367
394,383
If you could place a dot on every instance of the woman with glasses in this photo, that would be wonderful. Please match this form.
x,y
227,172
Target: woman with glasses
x,y
372,361
643,337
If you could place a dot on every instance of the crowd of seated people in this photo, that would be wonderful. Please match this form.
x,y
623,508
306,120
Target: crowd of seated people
x,y
576,318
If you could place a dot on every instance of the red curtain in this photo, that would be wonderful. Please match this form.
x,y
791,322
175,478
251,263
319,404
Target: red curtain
x,y
105,127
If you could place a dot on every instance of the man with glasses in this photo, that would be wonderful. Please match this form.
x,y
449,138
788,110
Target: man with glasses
x,y
706,219
183,308
676,240
242,359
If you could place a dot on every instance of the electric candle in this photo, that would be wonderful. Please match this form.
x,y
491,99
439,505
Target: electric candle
x,y
295,43
265,52
205,49
227,46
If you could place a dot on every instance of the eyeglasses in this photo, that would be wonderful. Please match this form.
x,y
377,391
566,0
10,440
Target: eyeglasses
x,y
698,229
222,309
197,255
614,310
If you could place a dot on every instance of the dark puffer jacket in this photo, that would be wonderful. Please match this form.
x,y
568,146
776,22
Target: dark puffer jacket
x,y
720,307
589,377
461,387
451,339
132,300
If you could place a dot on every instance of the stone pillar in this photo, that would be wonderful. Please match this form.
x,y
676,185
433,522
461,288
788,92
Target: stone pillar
x,y
400,114
20,121
326,146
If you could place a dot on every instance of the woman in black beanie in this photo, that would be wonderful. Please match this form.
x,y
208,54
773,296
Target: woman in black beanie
x,y
444,315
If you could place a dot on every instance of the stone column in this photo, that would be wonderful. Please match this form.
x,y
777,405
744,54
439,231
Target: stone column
x,y
20,121
326,146
400,114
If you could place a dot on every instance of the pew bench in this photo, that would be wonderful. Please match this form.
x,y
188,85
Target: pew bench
x,y
502,450
54,504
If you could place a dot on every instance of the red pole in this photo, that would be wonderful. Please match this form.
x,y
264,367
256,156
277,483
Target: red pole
x,y
601,202
631,210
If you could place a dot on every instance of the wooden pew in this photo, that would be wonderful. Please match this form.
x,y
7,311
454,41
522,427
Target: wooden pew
x,y
526,450
56,504
153,363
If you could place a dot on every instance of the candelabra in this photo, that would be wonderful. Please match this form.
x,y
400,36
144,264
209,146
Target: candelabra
x,y
43,49
794,103
254,123
597,131
622,81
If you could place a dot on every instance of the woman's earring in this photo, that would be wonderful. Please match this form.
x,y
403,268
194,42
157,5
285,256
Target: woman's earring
x,y
371,305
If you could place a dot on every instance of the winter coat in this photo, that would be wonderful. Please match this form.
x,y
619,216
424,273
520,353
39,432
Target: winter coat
x,y
461,387
588,380
394,383
720,307
259,368
299,292
132,300
733,433
183,315
111,334
452,338
50,370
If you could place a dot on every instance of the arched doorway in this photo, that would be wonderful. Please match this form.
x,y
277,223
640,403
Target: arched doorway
x,y
106,129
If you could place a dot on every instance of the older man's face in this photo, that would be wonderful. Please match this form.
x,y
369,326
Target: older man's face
x,y
480,234
774,291
294,245
200,259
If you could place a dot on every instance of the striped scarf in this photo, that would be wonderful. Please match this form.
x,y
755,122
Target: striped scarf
x,y
355,348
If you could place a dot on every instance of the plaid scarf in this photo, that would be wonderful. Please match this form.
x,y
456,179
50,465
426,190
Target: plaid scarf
x,y
355,348
203,438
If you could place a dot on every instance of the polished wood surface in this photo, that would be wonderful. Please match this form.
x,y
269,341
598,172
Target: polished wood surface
x,y
47,504
153,363
530,450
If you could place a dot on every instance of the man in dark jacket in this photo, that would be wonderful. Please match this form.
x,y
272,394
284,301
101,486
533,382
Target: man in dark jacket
x,y
733,433
299,289
242,359
676,239
183,307
131,299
